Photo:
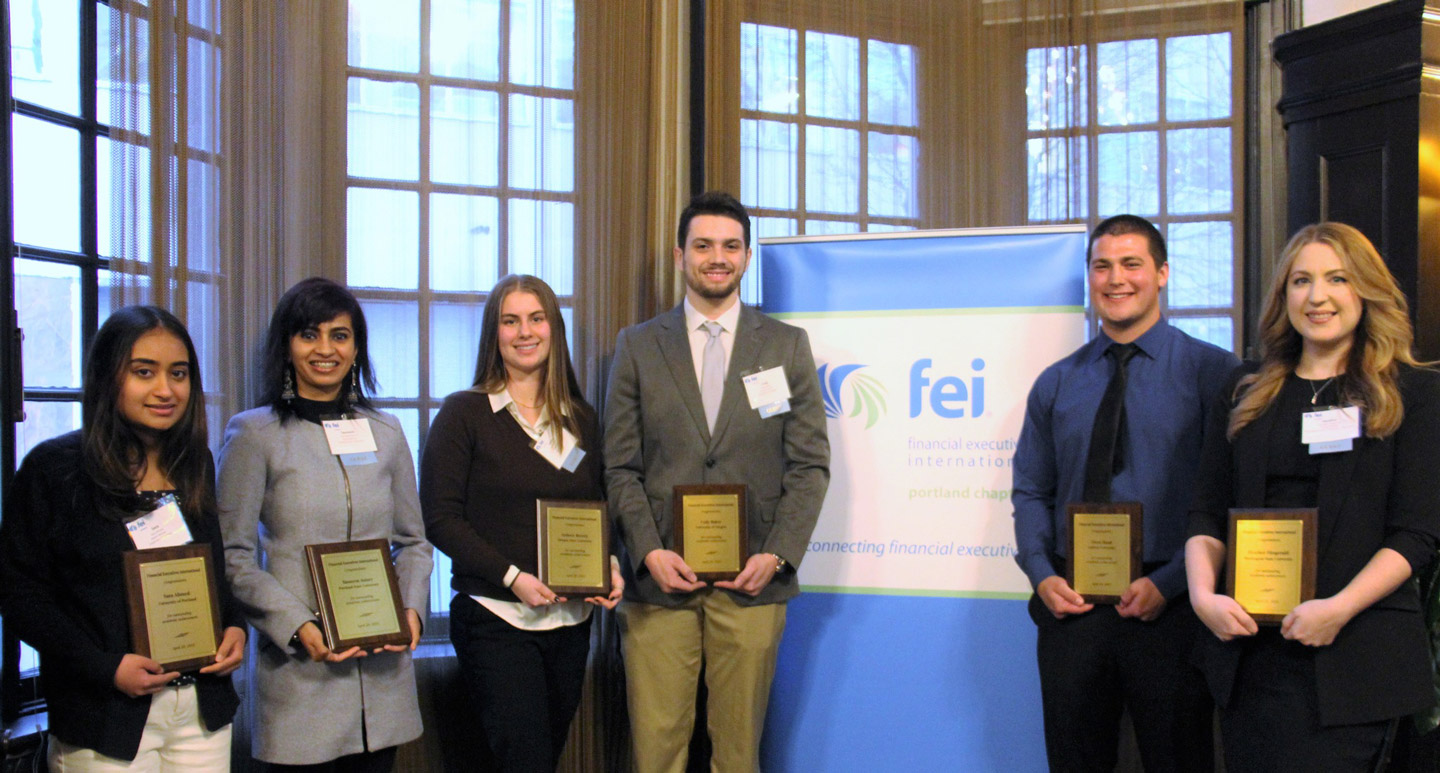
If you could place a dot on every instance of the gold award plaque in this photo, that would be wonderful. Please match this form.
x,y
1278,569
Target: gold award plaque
x,y
358,594
574,539
173,606
710,529
1106,549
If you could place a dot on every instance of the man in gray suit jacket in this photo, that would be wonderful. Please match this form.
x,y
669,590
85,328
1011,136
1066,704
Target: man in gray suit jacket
x,y
678,413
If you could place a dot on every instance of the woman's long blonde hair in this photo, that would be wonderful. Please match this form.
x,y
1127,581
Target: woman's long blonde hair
x,y
1383,337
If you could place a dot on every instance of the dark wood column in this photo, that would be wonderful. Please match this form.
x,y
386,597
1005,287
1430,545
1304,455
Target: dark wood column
x,y
1361,106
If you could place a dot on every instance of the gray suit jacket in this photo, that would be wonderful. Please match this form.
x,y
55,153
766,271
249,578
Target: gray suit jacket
x,y
656,438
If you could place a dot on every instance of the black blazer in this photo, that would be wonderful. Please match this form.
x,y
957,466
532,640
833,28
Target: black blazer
x,y
1382,493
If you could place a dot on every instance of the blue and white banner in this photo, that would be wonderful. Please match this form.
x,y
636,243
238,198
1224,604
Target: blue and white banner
x,y
911,645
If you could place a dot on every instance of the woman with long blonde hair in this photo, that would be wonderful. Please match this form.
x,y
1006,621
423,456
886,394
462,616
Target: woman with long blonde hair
x,y
1324,689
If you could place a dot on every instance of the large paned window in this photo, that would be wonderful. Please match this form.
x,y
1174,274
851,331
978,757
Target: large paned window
x,y
1146,126
461,163
829,138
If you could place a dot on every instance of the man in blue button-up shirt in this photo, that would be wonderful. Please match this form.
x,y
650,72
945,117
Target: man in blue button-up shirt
x,y
1096,660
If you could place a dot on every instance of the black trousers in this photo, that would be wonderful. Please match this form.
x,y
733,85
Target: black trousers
x,y
1094,666
525,685
1273,720
378,761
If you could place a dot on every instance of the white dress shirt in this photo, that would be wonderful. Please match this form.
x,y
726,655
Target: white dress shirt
x,y
695,325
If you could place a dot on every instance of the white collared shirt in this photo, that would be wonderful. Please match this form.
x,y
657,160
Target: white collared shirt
x,y
695,325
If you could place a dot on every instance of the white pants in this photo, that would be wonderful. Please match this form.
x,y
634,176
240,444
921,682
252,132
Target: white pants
x,y
175,739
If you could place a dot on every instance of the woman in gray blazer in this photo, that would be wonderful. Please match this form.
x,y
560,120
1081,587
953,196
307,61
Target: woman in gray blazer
x,y
283,486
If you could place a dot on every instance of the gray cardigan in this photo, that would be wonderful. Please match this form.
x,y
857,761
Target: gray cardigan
x,y
283,479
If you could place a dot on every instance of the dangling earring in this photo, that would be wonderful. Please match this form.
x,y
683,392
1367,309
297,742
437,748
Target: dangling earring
x,y
288,393
354,395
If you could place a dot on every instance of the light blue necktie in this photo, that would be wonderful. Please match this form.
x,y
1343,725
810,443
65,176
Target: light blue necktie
x,y
712,373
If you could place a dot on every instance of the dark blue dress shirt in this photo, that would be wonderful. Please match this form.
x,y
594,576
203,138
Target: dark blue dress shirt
x,y
1173,383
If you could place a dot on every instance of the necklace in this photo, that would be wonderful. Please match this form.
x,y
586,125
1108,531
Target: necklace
x,y
1315,393
523,405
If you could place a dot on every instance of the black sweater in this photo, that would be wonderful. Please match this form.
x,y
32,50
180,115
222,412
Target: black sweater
x,y
62,590
479,480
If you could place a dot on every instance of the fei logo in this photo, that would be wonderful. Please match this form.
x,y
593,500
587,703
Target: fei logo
x,y
866,393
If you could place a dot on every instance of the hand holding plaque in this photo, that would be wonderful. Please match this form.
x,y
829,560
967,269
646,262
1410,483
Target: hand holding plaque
x,y
711,529
358,594
573,547
1106,549
173,604
1272,560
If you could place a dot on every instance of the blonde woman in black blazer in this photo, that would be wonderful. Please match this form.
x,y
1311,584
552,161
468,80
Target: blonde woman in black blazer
x,y
1325,688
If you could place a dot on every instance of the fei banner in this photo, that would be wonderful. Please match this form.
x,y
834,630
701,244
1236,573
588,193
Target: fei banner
x,y
910,644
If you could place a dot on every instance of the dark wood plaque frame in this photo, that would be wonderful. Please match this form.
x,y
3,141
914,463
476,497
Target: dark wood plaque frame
x,y
742,539
1309,520
135,600
1136,511
542,532
328,625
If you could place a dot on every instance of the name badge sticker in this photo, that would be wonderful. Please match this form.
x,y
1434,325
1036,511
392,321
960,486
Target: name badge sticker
x,y
349,436
768,391
163,527
1329,425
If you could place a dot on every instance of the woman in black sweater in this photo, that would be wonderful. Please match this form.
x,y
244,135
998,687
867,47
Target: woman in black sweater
x,y
522,433
142,447
1325,689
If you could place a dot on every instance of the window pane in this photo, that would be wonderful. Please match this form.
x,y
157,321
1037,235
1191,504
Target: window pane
x,y
202,319
131,32
44,421
382,139
1216,330
382,238
1129,170
410,425
542,242
465,38
202,108
464,242
133,239
200,13
891,83
827,227
832,76
768,80
542,43
764,227
542,143
1128,81
385,34
47,300
202,230
394,328
464,136
832,169
1202,260
1199,166
891,188
47,184
1197,77
767,163
1055,87
454,340
1056,175
45,53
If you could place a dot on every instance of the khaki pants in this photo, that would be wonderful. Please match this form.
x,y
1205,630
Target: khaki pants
x,y
664,649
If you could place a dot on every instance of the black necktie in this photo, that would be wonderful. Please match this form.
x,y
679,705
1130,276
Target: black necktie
x,y
1105,449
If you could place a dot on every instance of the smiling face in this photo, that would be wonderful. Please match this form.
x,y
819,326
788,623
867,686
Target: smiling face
x,y
1320,301
322,356
155,383
1125,285
713,260
524,334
